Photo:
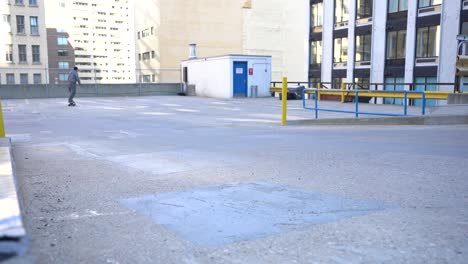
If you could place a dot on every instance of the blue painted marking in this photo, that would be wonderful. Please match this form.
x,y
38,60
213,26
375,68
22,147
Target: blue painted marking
x,y
232,213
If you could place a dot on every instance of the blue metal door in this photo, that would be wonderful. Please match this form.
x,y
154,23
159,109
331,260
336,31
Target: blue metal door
x,y
240,79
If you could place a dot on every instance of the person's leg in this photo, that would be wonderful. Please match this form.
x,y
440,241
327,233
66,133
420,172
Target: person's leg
x,y
72,94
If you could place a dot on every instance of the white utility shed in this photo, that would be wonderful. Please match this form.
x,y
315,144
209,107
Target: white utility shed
x,y
228,76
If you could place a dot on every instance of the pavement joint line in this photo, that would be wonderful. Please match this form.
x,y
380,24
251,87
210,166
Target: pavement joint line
x,y
90,214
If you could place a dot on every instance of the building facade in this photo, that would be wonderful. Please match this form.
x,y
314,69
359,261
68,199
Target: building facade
x,y
95,36
23,45
165,28
391,44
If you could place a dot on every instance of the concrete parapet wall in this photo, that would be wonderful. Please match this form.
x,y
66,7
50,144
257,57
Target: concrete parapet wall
x,y
88,90
458,99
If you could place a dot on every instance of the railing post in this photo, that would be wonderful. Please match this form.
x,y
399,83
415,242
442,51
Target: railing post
x,y
303,99
356,98
343,87
406,103
2,124
316,103
284,92
319,86
423,103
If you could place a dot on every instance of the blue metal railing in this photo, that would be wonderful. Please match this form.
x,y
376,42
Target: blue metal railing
x,y
316,108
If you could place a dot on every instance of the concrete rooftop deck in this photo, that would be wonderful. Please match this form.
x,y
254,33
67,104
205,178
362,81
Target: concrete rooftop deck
x,y
196,180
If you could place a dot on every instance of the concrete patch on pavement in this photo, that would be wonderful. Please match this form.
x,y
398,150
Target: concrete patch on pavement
x,y
247,211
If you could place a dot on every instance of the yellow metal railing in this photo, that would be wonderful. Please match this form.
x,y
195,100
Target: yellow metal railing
x,y
2,124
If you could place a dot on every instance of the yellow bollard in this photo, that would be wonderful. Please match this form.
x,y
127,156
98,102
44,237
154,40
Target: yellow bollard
x,y
343,87
284,94
2,125
319,86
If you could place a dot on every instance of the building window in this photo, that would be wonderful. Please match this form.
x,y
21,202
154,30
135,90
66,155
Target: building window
x,y
33,2
426,3
63,65
394,84
363,47
9,53
428,39
22,53
19,2
63,76
341,11
316,12
6,19
139,56
62,41
361,83
24,78
20,24
147,78
34,25
37,79
139,36
341,51
146,56
62,52
153,54
153,77
10,78
396,45
152,30
337,82
316,52
36,53
425,84
397,5
314,82
364,9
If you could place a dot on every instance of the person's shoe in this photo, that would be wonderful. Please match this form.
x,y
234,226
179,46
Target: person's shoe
x,y
71,104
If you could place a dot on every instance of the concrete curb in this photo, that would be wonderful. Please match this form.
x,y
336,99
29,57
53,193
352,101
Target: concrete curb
x,y
13,240
441,120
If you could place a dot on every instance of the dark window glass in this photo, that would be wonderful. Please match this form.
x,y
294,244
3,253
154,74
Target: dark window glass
x,y
426,3
34,25
341,11
364,8
36,53
316,15
62,52
22,55
340,50
316,52
396,45
37,78
24,78
428,40
20,25
363,47
397,5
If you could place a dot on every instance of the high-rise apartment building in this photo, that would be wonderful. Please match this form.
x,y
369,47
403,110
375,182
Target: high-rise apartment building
x,y
96,36
23,49
391,42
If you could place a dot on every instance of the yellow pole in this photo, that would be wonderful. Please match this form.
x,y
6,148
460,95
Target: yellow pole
x,y
2,125
284,94
343,87
319,86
